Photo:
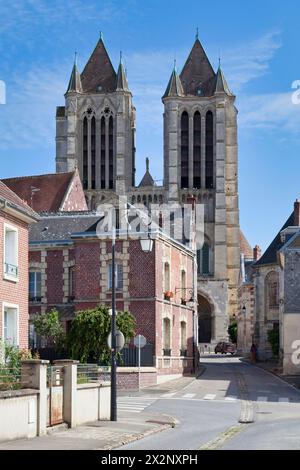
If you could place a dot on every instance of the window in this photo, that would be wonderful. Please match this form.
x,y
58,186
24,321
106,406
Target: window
x,y
10,325
184,150
183,287
183,342
71,283
119,277
272,290
167,277
93,151
35,286
166,333
209,150
197,151
102,160
111,152
85,153
203,260
10,253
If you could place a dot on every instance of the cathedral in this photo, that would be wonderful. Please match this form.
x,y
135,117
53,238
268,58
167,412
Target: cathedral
x,y
95,133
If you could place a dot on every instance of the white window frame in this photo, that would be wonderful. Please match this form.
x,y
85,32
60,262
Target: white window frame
x,y
11,228
35,271
5,306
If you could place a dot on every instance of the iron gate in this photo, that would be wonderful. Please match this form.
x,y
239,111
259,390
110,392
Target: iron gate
x,y
55,395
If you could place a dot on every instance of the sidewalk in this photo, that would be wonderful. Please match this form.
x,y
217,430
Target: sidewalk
x,y
99,435
274,368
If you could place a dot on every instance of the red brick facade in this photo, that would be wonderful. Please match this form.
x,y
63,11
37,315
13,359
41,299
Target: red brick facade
x,y
142,292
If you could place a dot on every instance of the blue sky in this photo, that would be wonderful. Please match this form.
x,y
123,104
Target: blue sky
x,y
259,46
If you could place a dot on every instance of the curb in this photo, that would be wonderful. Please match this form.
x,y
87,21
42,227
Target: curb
x,y
138,437
200,372
275,375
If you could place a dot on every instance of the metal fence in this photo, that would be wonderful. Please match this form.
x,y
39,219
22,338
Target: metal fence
x,y
129,356
92,373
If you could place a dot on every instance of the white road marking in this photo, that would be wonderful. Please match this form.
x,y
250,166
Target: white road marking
x,y
189,395
168,395
284,400
262,399
133,404
209,397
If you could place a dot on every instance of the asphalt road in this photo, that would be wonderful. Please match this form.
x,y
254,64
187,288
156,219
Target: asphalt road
x,y
209,410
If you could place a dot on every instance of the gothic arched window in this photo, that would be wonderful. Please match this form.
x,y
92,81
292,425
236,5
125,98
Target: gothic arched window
x,y
93,151
204,260
272,290
184,150
111,152
85,154
209,150
197,151
102,159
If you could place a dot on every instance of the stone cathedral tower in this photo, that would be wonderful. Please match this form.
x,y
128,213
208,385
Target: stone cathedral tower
x,y
96,134
95,130
200,160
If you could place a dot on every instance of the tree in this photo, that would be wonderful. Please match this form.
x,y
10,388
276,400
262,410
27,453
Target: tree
x,y
232,331
48,326
87,339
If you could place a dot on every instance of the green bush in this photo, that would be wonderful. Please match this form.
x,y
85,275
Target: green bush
x,y
48,326
273,338
10,369
232,331
87,339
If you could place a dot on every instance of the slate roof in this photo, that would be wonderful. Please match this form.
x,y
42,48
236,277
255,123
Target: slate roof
x,y
221,83
75,81
51,190
270,255
197,73
122,83
6,194
61,227
99,74
174,87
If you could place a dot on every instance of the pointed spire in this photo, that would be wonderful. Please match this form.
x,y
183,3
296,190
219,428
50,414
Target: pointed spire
x,y
122,84
99,74
198,76
174,87
75,81
197,33
147,179
221,83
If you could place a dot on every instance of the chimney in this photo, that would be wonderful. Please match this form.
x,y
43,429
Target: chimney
x,y
297,213
256,253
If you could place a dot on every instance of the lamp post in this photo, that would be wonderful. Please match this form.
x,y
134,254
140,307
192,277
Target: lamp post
x,y
113,372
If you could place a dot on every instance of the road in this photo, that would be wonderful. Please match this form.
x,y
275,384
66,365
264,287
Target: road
x,y
233,405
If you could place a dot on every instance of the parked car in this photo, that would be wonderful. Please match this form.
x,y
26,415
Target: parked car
x,y
225,348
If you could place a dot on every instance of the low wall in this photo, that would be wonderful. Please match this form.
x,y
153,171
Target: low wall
x,y
92,403
174,365
128,377
18,414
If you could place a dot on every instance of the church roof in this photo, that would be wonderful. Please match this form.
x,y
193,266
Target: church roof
x,y
15,201
99,74
270,255
221,83
147,179
44,193
75,81
174,87
245,247
198,76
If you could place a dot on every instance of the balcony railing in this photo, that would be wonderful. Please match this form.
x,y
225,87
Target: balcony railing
x,y
167,352
33,298
11,270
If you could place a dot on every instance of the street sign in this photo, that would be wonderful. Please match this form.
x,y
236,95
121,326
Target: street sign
x,y
139,341
120,340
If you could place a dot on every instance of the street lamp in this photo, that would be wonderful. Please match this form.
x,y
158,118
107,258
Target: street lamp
x,y
146,244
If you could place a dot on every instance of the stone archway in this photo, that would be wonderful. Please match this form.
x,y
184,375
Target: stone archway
x,y
205,320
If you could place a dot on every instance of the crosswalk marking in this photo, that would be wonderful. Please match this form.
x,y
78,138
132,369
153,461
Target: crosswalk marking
x,y
189,395
168,395
133,404
230,398
284,400
209,397
262,398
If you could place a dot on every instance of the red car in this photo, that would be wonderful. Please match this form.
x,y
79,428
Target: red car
x,y
225,348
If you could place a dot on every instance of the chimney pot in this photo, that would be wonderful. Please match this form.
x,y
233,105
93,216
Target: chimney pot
x,y
256,253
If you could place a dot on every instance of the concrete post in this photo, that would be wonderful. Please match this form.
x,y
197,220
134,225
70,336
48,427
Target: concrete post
x,y
70,390
34,375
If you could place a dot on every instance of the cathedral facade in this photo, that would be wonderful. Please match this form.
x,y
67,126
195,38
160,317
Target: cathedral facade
x,y
96,134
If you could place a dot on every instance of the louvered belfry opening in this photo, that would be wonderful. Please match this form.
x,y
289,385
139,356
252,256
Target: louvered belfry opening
x,y
184,150
197,151
209,150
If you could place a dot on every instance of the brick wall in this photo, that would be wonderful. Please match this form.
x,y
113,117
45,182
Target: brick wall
x,y
54,273
16,293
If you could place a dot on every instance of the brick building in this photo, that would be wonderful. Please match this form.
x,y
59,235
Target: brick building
x,y
15,215
70,269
